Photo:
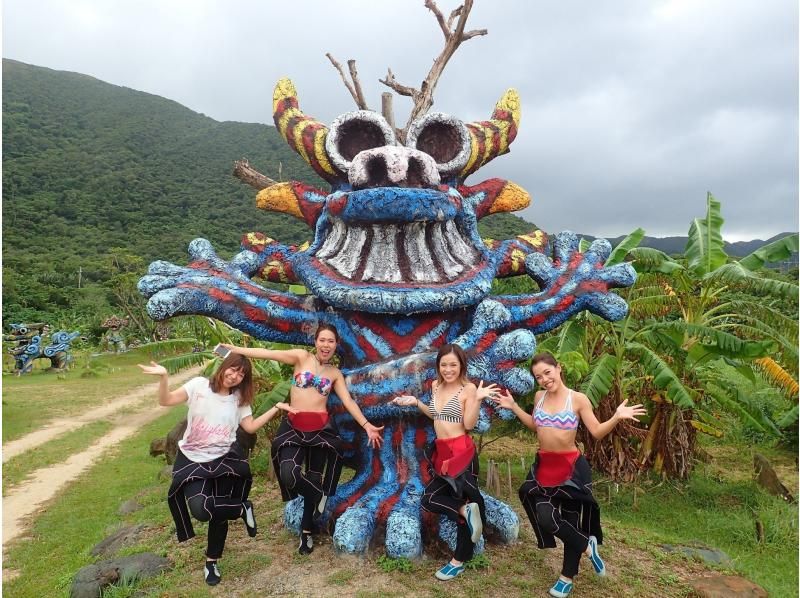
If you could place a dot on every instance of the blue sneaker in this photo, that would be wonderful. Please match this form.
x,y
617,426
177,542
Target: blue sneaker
x,y
474,522
594,556
561,588
450,571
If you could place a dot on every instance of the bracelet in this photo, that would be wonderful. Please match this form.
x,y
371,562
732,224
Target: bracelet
x,y
366,421
417,403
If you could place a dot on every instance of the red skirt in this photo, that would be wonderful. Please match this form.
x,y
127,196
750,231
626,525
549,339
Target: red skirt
x,y
309,421
453,455
555,467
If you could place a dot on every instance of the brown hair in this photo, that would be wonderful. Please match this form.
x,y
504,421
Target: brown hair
x,y
330,327
547,358
460,355
246,387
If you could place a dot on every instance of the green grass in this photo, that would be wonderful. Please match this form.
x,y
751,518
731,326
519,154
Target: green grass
x,y
720,514
33,399
86,512
15,470
715,507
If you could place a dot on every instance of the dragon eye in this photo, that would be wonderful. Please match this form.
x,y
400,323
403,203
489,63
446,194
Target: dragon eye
x,y
355,132
444,138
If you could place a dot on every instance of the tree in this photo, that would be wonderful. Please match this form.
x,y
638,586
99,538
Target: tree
x,y
687,323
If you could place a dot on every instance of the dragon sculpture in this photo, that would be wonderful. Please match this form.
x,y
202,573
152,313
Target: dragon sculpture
x,y
398,266
29,346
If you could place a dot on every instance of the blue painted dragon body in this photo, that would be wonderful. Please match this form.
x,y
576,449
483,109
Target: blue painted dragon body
x,y
398,266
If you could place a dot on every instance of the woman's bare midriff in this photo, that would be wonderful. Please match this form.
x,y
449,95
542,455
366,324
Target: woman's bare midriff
x,y
551,439
445,430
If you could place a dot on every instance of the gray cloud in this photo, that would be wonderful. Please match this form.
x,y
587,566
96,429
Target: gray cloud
x,y
631,110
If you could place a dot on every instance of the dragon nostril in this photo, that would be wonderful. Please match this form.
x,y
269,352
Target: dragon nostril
x,y
415,176
377,172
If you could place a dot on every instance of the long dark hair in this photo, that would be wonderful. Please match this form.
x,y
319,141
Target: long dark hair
x,y
246,388
460,355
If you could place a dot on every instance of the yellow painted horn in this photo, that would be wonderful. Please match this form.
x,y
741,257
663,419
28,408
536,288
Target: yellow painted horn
x,y
304,134
492,138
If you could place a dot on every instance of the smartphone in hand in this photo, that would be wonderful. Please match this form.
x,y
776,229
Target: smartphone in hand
x,y
222,351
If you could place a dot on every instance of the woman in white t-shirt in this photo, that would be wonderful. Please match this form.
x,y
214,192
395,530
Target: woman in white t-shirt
x,y
211,477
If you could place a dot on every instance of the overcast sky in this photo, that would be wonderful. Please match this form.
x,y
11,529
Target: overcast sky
x,y
631,111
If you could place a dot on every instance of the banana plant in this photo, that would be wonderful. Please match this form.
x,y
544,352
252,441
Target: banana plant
x,y
688,320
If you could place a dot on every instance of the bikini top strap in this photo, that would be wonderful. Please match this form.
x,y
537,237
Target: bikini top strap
x,y
541,401
568,402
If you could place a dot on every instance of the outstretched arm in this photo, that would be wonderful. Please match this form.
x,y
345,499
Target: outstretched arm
x,y
165,397
507,402
290,356
583,407
252,424
409,401
373,432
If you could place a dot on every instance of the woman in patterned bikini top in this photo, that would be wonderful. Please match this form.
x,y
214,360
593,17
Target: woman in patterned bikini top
x,y
557,494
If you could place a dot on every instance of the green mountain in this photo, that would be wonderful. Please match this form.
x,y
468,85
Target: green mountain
x,y
89,167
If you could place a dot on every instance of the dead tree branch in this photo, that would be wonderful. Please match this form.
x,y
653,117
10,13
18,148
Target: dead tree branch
x,y
355,87
454,36
247,174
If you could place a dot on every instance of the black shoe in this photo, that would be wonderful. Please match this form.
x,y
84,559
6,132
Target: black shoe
x,y
306,543
212,573
249,518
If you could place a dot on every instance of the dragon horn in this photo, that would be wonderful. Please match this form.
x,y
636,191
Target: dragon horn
x,y
491,138
304,134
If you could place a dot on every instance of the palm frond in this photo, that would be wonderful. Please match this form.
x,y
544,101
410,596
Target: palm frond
x,y
789,419
736,403
648,259
266,400
601,378
571,337
756,312
719,342
620,252
778,376
180,362
663,376
773,252
655,306
705,249
734,274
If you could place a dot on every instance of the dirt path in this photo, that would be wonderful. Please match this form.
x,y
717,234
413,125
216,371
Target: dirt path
x,y
56,428
43,484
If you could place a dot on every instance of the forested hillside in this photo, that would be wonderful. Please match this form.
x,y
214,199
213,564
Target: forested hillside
x,y
90,167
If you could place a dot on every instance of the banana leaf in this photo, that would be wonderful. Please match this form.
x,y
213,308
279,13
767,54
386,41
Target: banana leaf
x,y
705,249
663,376
622,249
773,252
601,378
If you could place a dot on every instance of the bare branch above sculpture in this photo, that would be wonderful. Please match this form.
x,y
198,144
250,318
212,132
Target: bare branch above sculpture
x,y
422,97
247,174
353,87
454,36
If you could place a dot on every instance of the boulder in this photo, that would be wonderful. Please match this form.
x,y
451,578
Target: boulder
x,y
725,586
127,536
90,581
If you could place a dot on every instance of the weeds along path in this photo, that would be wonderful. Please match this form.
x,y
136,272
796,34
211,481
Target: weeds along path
x,y
45,483
56,428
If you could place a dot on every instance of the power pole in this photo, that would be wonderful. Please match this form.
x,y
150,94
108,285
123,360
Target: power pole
x,y
80,271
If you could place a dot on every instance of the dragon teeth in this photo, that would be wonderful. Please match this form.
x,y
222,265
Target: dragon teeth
x,y
417,252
